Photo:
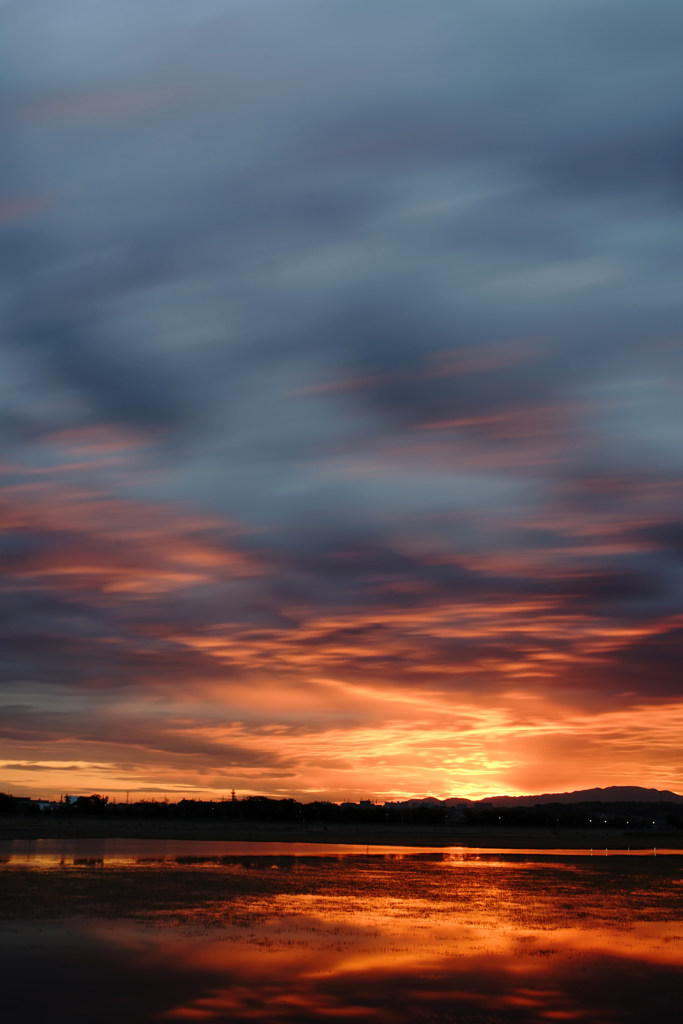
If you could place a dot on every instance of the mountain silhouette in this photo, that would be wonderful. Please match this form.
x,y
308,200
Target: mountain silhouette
x,y
610,794
606,795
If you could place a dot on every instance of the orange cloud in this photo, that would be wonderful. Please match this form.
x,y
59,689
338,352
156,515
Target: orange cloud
x,y
100,439
455,362
97,105
116,546
21,207
433,747
417,683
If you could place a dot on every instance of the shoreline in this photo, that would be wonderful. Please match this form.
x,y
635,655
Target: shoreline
x,y
600,837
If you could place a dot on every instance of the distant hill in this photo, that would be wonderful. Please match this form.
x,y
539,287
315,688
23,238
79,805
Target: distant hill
x,y
608,795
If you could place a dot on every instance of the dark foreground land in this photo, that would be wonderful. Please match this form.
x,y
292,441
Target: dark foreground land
x,y
488,837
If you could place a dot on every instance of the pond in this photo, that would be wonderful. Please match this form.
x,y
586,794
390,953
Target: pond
x,y
218,933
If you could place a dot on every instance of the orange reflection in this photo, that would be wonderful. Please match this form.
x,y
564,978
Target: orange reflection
x,y
387,939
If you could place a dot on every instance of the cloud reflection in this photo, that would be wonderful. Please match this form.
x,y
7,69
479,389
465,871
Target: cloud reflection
x,y
320,939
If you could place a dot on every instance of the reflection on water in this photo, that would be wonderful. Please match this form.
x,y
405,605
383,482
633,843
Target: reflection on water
x,y
45,852
387,938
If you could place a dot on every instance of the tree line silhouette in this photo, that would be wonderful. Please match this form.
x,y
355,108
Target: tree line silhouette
x,y
287,811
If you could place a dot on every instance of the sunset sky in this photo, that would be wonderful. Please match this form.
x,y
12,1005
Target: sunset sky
x,y
341,397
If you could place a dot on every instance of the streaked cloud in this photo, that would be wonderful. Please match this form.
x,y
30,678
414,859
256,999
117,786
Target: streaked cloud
x,y
340,396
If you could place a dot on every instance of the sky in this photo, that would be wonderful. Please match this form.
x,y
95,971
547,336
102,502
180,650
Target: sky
x,y
341,408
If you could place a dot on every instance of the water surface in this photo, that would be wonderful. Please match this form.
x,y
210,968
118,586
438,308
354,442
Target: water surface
x,y
45,852
328,935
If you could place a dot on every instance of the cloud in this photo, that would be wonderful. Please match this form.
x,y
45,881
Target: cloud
x,y
341,344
